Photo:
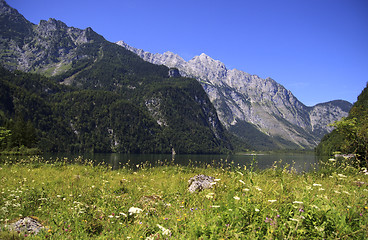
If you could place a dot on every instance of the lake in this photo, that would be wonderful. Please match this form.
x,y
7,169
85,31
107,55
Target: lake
x,y
302,162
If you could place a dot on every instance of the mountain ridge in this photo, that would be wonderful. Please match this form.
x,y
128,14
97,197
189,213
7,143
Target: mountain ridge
x,y
265,104
116,101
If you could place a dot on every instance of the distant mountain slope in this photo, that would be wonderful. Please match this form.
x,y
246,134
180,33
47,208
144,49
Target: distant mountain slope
x,y
261,111
351,133
116,100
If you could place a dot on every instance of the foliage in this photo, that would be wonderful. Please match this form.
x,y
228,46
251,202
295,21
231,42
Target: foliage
x,y
351,133
41,113
83,201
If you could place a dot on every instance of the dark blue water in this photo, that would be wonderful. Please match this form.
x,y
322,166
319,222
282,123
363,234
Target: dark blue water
x,y
301,162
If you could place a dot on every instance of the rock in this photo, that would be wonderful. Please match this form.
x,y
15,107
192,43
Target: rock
x,y
26,225
200,182
174,72
244,101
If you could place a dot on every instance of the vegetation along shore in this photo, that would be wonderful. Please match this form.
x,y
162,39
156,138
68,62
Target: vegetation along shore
x,y
83,201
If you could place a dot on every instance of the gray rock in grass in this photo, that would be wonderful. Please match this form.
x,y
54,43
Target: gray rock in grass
x,y
200,182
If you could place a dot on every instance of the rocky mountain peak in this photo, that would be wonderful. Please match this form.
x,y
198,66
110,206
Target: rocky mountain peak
x,y
245,100
5,8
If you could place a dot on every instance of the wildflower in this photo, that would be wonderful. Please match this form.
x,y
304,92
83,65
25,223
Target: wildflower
x,y
337,192
332,160
245,190
341,175
123,214
242,181
321,189
134,210
272,201
298,202
217,179
301,210
259,189
256,209
215,206
164,230
209,195
317,184
236,198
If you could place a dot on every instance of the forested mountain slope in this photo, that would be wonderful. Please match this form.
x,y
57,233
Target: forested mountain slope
x,y
260,111
104,97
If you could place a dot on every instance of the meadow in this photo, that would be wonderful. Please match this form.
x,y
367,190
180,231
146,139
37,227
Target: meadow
x,y
87,201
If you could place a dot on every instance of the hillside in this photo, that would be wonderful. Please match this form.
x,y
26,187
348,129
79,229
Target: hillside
x,y
351,133
107,98
260,111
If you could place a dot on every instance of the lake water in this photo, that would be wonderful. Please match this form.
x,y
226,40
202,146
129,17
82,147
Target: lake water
x,y
302,162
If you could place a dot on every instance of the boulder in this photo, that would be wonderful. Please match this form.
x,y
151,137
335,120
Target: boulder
x,y
26,225
200,182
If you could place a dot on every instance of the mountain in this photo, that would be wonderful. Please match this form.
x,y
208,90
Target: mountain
x,y
350,135
260,111
108,99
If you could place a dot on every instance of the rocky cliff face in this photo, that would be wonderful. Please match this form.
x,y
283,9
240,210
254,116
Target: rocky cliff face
x,y
151,109
243,98
47,48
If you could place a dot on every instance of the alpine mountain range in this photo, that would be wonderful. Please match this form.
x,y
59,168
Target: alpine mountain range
x,y
249,104
131,104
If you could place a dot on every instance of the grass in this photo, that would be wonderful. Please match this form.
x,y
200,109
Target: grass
x,y
84,201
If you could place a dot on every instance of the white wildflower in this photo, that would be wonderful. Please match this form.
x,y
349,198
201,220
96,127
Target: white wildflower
x,y
346,192
242,181
337,192
215,206
272,201
165,231
210,195
256,209
236,198
341,175
245,190
134,210
321,189
123,214
297,202
259,189
332,160
317,184
217,179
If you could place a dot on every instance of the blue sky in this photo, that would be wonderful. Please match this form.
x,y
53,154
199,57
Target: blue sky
x,y
318,49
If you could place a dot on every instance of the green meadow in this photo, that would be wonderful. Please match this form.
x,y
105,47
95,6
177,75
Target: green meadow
x,y
85,201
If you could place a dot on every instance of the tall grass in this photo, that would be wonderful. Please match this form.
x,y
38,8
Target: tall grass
x,y
83,201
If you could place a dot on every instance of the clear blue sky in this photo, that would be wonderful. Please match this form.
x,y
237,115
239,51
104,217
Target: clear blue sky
x,y
318,49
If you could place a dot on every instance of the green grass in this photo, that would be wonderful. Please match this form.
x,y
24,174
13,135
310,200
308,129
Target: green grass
x,y
83,201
